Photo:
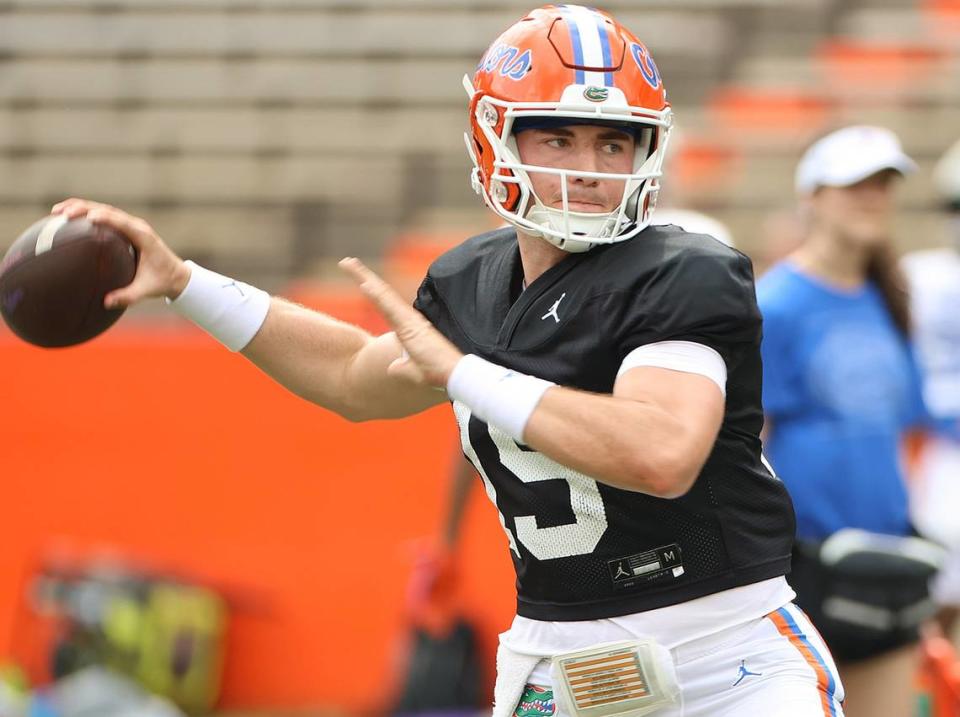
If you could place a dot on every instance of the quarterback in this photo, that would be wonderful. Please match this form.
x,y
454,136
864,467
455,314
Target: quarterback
x,y
605,375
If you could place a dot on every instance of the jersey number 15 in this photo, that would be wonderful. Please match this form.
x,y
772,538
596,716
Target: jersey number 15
x,y
559,541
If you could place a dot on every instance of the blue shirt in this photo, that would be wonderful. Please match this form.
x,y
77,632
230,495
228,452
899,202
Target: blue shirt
x,y
840,386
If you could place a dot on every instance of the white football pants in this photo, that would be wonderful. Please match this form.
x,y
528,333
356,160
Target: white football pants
x,y
775,666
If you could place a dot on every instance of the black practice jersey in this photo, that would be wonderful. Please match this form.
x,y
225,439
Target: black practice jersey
x,y
582,549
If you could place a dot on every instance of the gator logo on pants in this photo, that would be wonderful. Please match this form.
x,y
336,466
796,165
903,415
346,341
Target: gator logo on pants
x,y
535,701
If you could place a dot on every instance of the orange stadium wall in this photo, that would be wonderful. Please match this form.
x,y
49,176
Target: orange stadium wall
x,y
165,447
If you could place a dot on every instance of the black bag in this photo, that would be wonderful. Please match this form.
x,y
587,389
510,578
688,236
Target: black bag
x,y
866,593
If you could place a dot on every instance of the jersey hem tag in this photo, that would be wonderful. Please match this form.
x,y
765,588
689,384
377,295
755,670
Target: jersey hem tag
x,y
665,562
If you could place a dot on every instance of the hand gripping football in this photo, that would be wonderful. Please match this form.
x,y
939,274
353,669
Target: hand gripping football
x,y
54,277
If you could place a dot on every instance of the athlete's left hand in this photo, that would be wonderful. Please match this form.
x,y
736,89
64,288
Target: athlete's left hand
x,y
429,357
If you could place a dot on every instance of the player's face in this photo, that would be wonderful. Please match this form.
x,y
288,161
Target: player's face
x,y
860,214
586,148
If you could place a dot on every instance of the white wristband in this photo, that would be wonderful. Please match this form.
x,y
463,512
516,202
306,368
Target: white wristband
x,y
230,311
497,395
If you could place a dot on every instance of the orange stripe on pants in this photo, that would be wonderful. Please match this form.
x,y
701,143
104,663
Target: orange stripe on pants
x,y
823,679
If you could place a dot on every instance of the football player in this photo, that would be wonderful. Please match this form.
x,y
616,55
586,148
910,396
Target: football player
x,y
605,376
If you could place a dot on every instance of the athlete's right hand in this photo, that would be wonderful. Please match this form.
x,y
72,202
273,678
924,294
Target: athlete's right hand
x,y
160,272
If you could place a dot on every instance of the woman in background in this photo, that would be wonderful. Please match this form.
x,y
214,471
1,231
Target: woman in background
x,y
840,388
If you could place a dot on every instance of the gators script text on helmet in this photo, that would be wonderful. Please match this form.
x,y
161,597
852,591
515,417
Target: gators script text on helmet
x,y
576,63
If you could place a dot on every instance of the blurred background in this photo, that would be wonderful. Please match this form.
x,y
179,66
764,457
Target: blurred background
x,y
155,485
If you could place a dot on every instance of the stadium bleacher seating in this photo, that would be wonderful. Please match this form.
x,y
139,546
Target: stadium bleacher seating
x,y
273,135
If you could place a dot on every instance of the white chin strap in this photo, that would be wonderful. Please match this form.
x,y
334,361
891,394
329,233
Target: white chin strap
x,y
572,224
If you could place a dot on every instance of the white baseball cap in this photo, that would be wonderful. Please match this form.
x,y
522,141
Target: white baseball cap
x,y
850,155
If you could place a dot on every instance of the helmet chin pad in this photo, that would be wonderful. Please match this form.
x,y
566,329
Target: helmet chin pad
x,y
580,224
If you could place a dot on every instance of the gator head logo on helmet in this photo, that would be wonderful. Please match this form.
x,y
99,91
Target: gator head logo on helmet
x,y
596,94
566,62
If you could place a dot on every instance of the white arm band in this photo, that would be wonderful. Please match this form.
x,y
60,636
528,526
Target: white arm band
x,y
686,356
497,395
230,311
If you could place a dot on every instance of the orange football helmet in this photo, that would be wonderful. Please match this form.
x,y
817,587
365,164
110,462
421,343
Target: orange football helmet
x,y
566,62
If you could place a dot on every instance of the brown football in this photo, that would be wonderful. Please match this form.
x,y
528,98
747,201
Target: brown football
x,y
54,277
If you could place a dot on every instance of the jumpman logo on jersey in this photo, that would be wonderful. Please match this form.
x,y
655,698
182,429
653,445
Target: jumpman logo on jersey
x,y
235,285
621,572
744,673
553,309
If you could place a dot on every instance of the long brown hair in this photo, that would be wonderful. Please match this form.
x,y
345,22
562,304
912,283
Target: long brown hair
x,y
883,270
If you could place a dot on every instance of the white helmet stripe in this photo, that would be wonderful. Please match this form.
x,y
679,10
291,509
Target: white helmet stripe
x,y
585,30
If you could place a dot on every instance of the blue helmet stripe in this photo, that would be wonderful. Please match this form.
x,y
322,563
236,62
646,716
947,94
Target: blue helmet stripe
x,y
605,44
575,41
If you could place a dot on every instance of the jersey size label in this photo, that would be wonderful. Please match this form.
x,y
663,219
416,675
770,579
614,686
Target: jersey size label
x,y
641,568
